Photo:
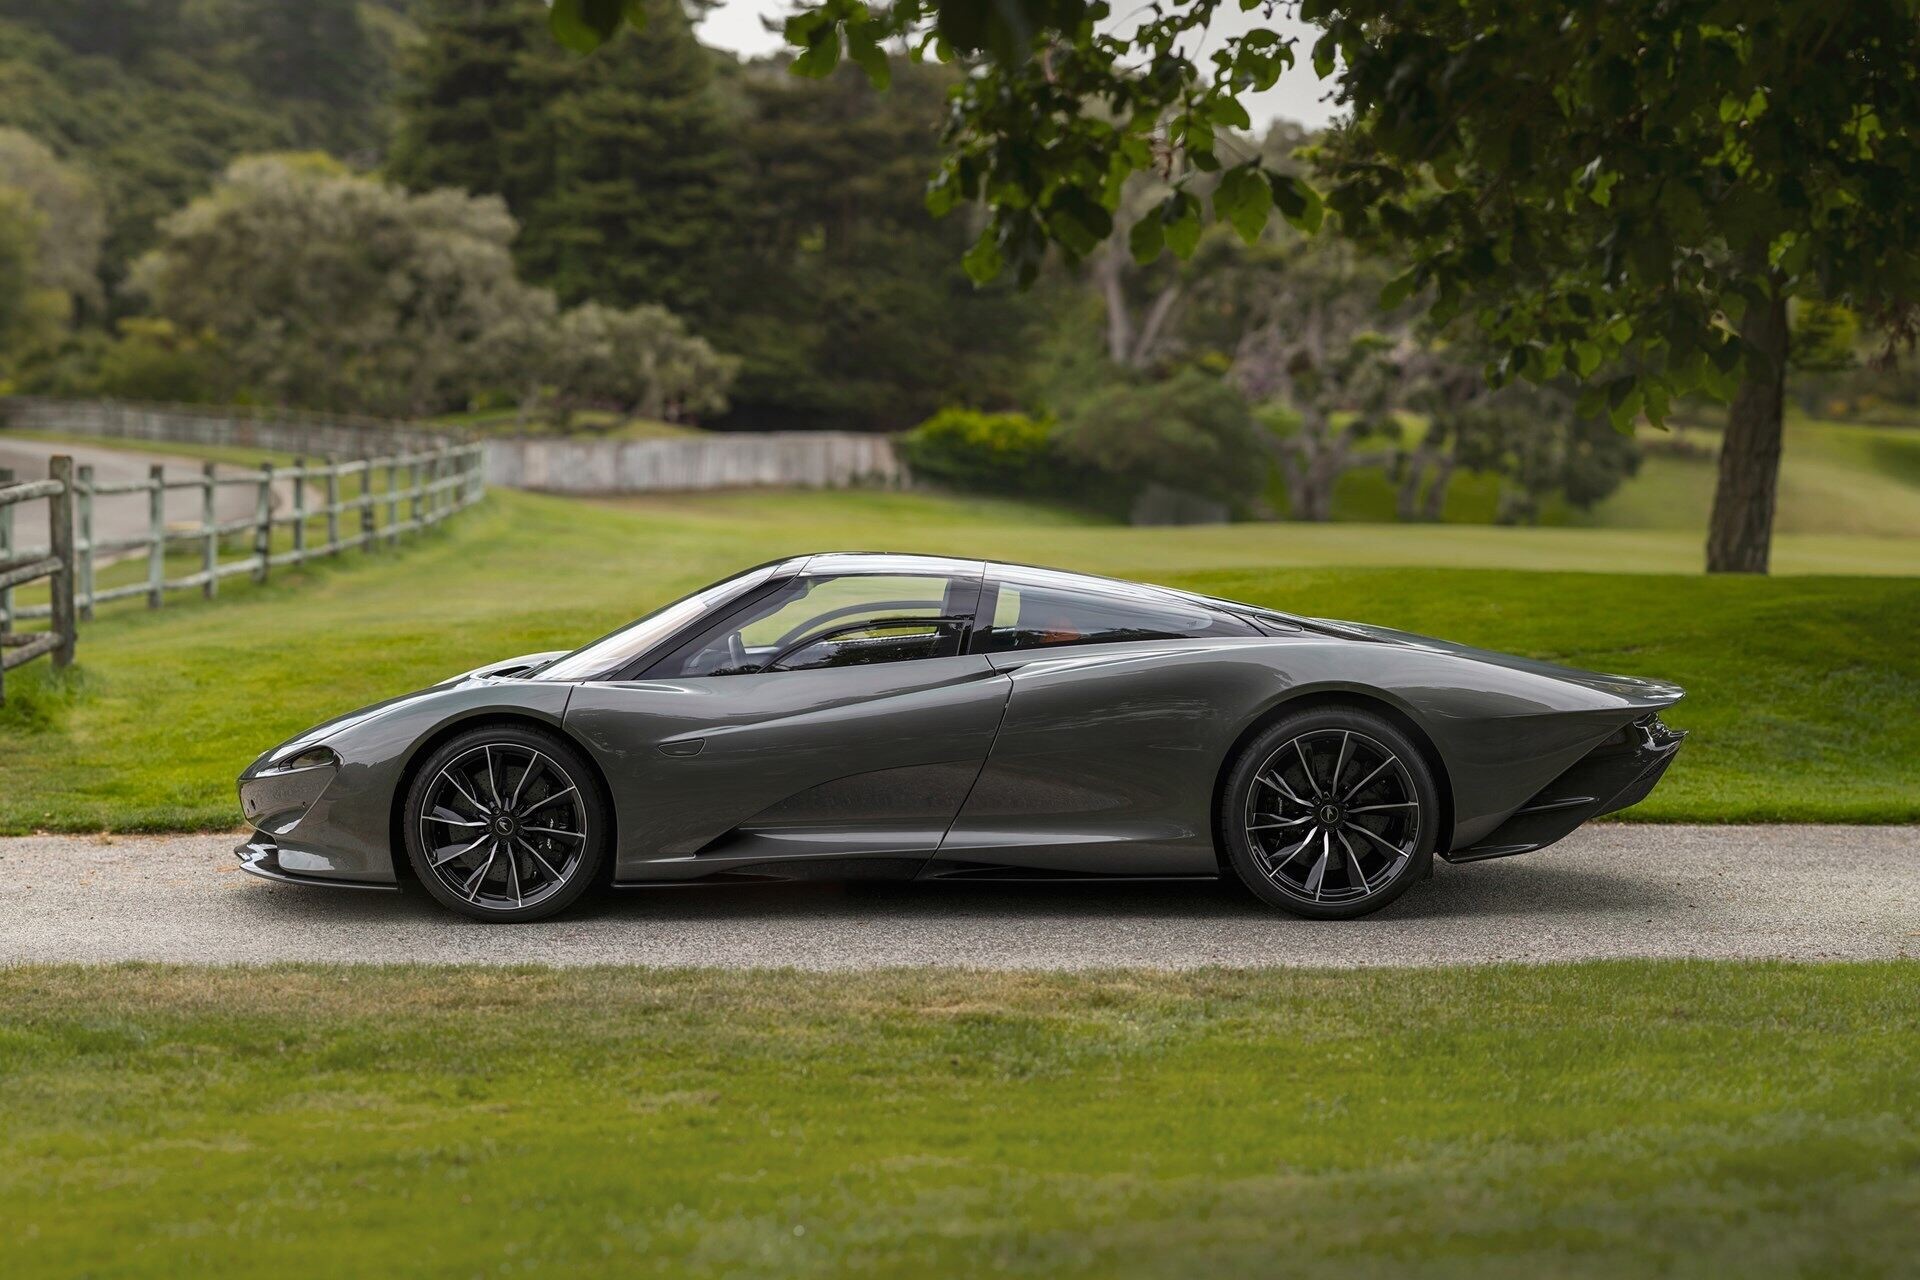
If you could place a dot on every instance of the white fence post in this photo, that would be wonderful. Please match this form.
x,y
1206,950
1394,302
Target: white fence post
x,y
393,502
6,553
366,506
333,504
263,522
210,534
60,540
83,512
299,511
157,531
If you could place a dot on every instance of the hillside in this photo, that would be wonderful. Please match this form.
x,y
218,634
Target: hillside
x,y
153,97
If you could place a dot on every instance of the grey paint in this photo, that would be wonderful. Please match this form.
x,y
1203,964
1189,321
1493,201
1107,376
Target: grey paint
x,y
1074,760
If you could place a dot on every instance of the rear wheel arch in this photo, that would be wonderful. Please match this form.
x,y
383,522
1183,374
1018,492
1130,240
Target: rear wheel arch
x,y
1315,699
423,750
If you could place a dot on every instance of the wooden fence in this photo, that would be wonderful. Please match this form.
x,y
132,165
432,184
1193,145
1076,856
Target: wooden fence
x,y
415,491
274,430
55,563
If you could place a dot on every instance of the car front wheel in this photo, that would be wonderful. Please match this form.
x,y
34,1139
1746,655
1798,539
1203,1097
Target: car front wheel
x,y
505,823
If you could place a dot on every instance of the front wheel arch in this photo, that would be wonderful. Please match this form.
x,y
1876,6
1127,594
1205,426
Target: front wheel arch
x,y
1313,700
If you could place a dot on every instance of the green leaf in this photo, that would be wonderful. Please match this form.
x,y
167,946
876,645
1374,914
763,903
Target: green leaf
x,y
982,262
1244,199
1586,358
822,53
865,52
1147,239
942,194
1552,357
1624,407
1078,222
1297,202
1229,112
1180,216
585,25
1656,404
1399,289
800,27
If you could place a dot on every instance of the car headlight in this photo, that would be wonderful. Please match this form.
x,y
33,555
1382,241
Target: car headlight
x,y
311,758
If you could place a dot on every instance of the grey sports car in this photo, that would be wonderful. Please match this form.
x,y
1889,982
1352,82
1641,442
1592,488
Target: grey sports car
x,y
917,717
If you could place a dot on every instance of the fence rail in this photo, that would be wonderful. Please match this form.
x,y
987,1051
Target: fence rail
x,y
416,491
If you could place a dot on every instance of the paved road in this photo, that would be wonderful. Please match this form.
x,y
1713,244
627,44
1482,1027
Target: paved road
x,y
1805,893
125,515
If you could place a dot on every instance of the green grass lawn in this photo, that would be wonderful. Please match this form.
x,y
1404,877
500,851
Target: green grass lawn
x,y
1804,691
1835,478
1610,1119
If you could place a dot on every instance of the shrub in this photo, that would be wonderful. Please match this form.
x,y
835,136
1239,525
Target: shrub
x,y
988,453
1192,433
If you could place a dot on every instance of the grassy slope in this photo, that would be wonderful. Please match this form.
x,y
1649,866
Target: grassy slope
x,y
1805,691
1836,478
1587,1120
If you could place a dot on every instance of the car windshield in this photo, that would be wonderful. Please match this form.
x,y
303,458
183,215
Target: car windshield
x,y
611,653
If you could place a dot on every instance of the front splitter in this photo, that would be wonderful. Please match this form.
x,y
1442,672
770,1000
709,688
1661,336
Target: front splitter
x,y
261,857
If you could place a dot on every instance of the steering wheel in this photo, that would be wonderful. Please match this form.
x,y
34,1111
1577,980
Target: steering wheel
x,y
849,610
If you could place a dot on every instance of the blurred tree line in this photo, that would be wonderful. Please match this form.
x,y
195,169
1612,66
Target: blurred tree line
x,y
410,207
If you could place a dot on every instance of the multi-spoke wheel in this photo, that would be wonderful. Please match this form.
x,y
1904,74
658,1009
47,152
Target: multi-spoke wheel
x,y
1330,813
504,823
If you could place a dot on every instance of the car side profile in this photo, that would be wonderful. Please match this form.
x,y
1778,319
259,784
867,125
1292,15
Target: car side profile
x,y
887,716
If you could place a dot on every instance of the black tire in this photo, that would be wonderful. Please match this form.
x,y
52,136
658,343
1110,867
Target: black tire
x,y
527,794
1321,850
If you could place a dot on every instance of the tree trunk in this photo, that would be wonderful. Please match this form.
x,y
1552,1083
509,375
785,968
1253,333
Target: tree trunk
x,y
1435,504
1406,498
1740,533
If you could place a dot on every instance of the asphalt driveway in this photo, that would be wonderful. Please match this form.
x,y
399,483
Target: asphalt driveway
x,y
1794,892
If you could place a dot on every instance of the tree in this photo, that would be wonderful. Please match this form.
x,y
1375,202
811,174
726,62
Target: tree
x,y
330,290
1190,433
617,167
1629,189
154,97
19,232
845,299
639,361
71,220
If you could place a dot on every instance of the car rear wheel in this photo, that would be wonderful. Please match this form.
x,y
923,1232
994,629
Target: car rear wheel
x,y
1330,813
505,823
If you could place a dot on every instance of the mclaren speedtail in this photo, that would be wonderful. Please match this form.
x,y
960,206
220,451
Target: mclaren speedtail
x,y
913,717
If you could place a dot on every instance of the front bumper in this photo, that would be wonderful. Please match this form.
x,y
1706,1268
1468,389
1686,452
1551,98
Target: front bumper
x,y
260,856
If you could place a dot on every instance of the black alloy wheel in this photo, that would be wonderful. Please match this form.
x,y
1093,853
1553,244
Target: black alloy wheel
x,y
1330,813
505,823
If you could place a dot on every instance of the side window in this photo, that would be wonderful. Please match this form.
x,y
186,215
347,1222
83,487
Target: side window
x,y
1037,614
840,621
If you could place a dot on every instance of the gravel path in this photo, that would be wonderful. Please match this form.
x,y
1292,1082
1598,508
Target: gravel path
x,y
125,515
1802,892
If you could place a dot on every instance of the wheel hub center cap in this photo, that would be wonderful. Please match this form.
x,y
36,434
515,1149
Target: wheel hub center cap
x,y
1329,815
504,824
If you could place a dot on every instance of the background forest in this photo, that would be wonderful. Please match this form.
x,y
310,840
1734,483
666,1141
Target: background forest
x,y
424,208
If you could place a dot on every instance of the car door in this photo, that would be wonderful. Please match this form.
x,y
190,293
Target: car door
x,y
1107,755
834,718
